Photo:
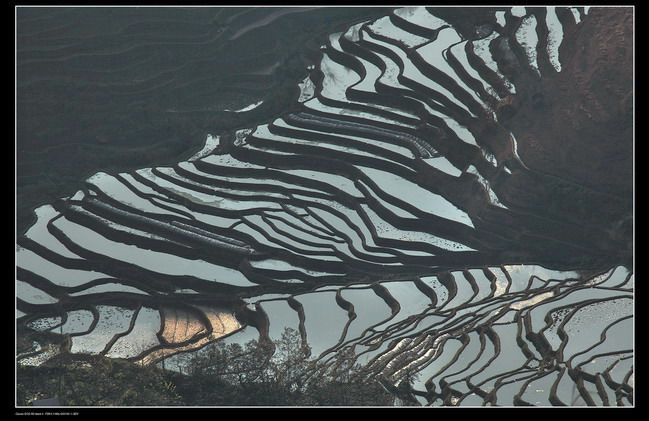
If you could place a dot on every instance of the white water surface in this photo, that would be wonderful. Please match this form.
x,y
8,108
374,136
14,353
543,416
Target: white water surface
x,y
527,37
211,143
481,49
555,37
417,196
420,16
386,28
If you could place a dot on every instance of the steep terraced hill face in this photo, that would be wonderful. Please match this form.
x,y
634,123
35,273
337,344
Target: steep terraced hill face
x,y
449,203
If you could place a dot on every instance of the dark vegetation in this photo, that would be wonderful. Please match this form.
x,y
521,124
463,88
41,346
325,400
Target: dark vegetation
x,y
116,89
257,374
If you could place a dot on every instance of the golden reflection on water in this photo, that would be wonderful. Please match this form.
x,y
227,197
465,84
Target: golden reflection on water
x,y
184,330
181,326
531,301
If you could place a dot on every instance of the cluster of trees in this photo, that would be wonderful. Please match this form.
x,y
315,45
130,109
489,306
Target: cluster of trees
x,y
257,374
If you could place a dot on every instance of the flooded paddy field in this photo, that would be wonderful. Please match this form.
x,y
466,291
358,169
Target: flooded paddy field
x,y
122,87
402,187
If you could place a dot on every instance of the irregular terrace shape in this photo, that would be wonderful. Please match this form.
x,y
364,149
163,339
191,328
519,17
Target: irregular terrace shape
x,y
470,290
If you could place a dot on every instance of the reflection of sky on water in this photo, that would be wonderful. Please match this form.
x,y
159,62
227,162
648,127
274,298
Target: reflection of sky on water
x,y
339,229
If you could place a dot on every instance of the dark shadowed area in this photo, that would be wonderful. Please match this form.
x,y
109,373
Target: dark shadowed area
x,y
126,87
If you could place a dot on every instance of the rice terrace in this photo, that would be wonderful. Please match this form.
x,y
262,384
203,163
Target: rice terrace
x,y
324,206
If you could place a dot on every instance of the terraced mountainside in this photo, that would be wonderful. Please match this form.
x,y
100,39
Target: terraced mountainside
x,y
448,201
118,88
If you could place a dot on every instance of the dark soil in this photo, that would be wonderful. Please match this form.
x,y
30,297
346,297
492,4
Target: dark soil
x,y
575,137
577,126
